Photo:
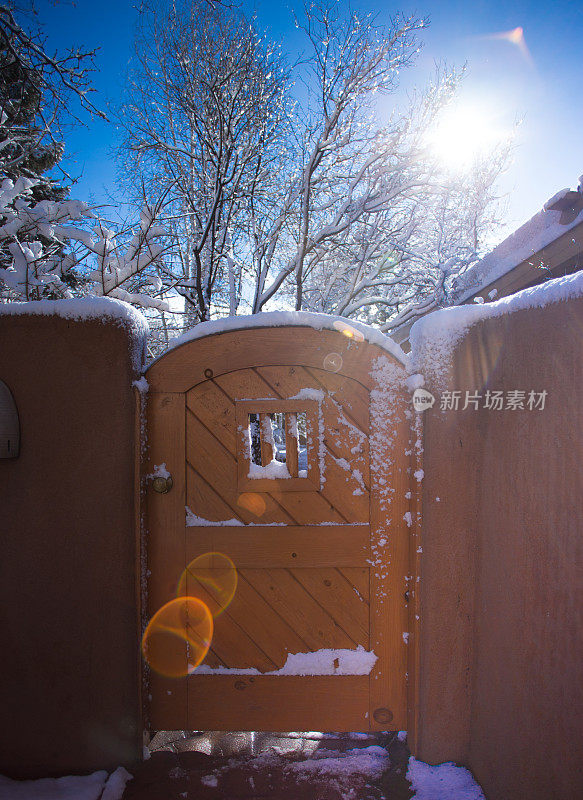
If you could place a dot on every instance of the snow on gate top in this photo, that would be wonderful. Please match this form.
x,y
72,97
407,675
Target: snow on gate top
x,y
279,319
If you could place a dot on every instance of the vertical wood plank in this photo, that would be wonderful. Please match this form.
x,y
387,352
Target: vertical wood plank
x,y
139,569
166,545
389,547
415,555
266,433
291,443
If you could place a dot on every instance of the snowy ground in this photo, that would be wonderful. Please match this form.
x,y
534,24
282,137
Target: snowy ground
x,y
98,786
219,766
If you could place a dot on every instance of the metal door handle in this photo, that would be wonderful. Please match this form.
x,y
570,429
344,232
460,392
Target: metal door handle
x,y
162,485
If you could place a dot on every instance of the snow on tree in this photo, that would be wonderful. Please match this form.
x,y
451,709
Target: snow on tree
x,y
38,221
203,121
309,201
37,271
37,94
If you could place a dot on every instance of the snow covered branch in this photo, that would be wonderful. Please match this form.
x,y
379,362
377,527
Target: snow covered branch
x,y
36,234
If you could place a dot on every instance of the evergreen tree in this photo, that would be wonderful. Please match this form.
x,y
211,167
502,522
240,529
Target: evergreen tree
x,y
36,90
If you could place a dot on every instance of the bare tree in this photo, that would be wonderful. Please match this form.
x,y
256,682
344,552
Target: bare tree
x,y
204,116
370,224
312,204
340,175
39,93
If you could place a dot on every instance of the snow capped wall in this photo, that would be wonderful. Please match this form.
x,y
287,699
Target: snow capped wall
x,y
434,337
500,589
104,309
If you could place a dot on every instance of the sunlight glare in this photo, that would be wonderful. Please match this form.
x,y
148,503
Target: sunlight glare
x,y
462,134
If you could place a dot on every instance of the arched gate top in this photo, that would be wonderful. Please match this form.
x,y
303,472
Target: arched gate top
x,y
339,345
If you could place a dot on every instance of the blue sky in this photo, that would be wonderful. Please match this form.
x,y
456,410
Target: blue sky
x,y
545,91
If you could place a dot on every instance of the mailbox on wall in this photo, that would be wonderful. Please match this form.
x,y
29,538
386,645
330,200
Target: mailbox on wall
x,y
9,424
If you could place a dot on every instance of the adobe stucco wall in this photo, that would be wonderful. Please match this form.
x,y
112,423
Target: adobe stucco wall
x,y
502,575
68,625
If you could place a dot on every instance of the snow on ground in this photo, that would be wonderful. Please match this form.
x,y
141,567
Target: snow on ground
x,y
268,319
443,782
370,762
97,786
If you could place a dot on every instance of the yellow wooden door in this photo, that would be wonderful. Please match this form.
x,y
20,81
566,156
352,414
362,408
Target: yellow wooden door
x,y
321,554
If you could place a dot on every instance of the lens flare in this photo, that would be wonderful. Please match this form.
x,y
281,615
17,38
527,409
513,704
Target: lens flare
x,y
212,577
333,362
178,637
349,331
516,38
252,502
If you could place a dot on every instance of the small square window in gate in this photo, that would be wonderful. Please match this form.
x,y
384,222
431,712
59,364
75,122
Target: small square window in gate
x,y
278,445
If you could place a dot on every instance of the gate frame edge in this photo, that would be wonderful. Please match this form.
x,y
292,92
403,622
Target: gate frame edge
x,y
139,545
417,447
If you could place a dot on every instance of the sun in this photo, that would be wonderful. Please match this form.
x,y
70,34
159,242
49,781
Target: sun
x,y
462,134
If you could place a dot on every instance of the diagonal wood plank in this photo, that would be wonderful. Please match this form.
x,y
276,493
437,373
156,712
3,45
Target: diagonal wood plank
x,y
244,384
299,609
236,649
308,508
212,660
343,490
355,401
263,624
230,643
216,411
359,579
344,439
211,459
203,501
339,599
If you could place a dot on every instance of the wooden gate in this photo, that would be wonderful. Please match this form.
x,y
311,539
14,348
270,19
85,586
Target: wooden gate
x,y
316,524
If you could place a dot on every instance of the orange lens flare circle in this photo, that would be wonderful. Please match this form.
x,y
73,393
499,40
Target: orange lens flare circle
x,y
178,637
212,577
252,502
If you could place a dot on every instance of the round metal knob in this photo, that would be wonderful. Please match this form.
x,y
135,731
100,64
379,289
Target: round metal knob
x,y
162,485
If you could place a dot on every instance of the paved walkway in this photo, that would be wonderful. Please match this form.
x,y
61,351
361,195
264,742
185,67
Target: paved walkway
x,y
284,766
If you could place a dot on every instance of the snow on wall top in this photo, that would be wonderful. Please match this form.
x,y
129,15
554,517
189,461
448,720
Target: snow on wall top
x,y
522,245
104,309
433,337
278,319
